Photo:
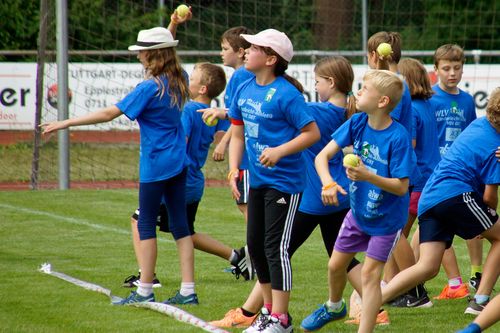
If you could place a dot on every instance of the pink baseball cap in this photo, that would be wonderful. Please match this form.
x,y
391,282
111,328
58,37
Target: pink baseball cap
x,y
276,40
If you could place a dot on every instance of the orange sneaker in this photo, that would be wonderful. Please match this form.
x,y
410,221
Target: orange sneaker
x,y
448,293
382,319
234,318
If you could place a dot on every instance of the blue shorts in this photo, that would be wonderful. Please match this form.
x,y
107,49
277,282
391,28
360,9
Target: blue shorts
x,y
465,215
173,190
352,239
162,220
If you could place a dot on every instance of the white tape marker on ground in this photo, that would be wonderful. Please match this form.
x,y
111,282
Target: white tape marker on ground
x,y
169,310
73,220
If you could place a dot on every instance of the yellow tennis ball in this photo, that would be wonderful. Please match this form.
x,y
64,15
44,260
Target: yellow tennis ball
x,y
211,121
182,10
351,160
384,49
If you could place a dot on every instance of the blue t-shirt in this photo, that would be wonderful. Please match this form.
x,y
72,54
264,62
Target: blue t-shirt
x,y
328,117
386,153
427,148
163,142
199,137
272,115
466,167
453,114
403,112
239,76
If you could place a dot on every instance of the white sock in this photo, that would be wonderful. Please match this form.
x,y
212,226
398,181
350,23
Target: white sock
x,y
145,289
334,306
187,288
233,256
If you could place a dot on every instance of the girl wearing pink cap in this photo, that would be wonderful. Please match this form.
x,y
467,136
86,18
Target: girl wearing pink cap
x,y
270,119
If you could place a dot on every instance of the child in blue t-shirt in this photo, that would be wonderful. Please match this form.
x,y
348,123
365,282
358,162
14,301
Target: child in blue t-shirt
x,y
233,48
378,195
452,204
424,132
455,110
270,120
207,81
403,256
334,77
156,104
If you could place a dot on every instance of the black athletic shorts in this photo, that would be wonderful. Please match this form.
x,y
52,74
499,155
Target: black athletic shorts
x,y
465,215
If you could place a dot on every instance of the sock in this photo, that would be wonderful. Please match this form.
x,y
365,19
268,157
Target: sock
x,y
475,269
481,299
247,313
334,306
268,306
233,256
145,289
187,288
454,283
282,317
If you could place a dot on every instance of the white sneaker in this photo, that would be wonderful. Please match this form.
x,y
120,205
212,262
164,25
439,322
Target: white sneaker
x,y
261,318
273,325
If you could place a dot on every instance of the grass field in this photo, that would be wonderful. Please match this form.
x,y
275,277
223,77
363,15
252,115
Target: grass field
x,y
85,234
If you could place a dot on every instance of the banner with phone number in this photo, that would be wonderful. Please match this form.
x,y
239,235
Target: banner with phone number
x,y
96,85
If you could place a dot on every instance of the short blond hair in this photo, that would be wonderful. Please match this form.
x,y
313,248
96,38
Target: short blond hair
x,y
387,83
493,108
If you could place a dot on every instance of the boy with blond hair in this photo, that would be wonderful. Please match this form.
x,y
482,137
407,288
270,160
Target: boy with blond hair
x,y
378,196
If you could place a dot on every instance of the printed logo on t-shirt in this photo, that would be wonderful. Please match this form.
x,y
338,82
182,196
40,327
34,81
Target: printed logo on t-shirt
x,y
270,94
252,129
452,133
371,151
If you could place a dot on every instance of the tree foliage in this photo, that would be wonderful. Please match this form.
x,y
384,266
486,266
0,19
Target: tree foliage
x,y
107,24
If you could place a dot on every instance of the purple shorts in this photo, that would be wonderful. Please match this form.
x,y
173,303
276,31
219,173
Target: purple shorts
x,y
352,239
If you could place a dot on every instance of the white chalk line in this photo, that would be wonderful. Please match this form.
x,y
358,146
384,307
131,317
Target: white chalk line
x,y
169,310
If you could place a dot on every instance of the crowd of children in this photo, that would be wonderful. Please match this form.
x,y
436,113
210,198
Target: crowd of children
x,y
419,152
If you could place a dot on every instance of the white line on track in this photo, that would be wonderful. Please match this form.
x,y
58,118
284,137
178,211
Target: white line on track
x,y
73,220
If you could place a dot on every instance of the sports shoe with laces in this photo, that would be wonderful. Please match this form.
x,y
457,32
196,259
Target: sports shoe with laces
x,y
382,319
322,316
258,322
234,318
474,308
242,265
409,301
134,297
182,300
457,293
273,325
132,281
475,281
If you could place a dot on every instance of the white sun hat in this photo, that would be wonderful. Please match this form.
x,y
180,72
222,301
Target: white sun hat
x,y
276,40
155,38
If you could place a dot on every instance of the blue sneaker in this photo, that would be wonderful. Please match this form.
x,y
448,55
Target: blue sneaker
x,y
134,297
182,300
322,316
